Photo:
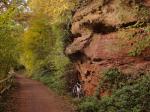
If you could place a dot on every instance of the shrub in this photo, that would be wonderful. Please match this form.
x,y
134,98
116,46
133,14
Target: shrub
x,y
132,96
112,74
89,104
112,79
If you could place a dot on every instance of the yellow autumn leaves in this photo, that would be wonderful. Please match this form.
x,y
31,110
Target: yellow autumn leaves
x,y
51,8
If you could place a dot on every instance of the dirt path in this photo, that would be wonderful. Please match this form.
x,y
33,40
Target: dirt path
x,y
32,96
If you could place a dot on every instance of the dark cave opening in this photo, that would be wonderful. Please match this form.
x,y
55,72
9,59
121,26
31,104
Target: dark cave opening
x,y
97,59
102,28
72,76
87,74
76,56
128,24
76,35
79,56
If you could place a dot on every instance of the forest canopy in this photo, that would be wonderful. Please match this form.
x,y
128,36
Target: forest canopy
x,y
32,34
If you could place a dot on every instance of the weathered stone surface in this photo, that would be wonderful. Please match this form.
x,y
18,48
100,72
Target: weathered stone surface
x,y
103,39
78,44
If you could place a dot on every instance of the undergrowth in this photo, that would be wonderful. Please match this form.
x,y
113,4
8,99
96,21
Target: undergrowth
x,y
54,74
129,96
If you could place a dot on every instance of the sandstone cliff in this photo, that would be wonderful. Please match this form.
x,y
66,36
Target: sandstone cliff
x,y
108,34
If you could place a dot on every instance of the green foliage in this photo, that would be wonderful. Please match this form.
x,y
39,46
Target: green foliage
x,y
133,97
138,35
130,98
42,52
43,42
36,44
112,74
141,45
136,31
10,32
55,9
113,79
142,14
55,77
89,104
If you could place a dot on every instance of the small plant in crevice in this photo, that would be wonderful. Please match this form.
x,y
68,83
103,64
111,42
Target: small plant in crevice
x,y
111,80
138,36
141,44
111,74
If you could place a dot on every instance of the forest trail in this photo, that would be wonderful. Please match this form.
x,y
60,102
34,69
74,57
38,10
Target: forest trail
x,y
33,96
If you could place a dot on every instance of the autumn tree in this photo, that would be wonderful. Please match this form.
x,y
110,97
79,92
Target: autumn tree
x,y
10,32
42,43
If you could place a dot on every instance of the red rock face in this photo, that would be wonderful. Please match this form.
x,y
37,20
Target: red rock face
x,y
104,39
146,3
